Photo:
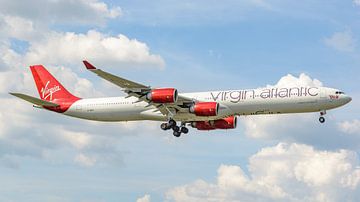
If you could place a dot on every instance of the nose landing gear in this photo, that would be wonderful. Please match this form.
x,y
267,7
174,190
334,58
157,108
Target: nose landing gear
x,y
322,114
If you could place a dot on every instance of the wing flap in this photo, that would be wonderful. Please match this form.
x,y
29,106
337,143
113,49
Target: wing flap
x,y
35,100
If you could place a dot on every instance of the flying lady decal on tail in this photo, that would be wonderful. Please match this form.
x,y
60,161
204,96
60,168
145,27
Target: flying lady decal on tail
x,y
47,92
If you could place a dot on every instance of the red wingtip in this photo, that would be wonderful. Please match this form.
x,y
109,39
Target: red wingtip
x,y
36,66
88,65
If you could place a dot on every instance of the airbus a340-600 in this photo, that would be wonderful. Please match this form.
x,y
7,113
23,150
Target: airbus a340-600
x,y
203,110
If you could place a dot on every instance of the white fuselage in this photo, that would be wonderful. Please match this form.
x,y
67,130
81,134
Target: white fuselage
x,y
270,100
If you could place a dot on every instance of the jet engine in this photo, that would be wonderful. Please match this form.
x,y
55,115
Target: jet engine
x,y
205,108
225,123
162,95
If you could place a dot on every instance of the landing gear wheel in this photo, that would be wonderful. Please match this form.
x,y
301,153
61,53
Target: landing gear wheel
x,y
176,133
164,126
176,128
184,130
172,123
322,119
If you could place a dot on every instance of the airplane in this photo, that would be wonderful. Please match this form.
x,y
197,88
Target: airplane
x,y
202,110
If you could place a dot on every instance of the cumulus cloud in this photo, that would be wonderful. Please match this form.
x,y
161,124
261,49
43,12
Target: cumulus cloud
x,y
29,132
356,2
302,128
110,51
65,11
145,198
350,127
341,41
292,81
15,65
85,160
79,86
17,27
285,172
270,126
35,133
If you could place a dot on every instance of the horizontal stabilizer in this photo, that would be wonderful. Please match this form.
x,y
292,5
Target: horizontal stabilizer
x,y
35,100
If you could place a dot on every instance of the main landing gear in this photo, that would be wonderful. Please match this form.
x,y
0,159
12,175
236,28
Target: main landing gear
x,y
176,129
322,114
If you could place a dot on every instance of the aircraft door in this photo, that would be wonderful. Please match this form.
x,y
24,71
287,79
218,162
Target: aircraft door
x,y
323,95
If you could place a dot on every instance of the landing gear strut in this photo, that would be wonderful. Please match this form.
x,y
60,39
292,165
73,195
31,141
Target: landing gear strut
x,y
176,129
322,114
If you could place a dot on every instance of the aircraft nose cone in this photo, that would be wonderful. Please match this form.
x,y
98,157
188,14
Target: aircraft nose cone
x,y
348,99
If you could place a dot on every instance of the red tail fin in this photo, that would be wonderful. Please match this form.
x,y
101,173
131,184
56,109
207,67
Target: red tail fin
x,y
51,89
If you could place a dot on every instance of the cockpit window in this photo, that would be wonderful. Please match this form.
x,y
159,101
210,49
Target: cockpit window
x,y
339,92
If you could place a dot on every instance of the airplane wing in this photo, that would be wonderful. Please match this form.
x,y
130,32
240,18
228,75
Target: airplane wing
x,y
140,91
35,100
121,82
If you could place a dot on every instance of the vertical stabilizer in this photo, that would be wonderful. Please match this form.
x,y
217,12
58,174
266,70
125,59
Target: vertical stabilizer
x,y
50,89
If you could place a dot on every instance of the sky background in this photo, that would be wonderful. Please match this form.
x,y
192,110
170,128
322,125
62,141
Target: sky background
x,y
192,46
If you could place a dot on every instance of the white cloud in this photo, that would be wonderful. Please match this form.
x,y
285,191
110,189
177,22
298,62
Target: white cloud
x,y
17,27
29,132
77,85
341,41
301,128
64,11
8,57
350,127
285,172
14,65
356,2
85,160
77,139
302,80
276,126
270,126
109,51
145,198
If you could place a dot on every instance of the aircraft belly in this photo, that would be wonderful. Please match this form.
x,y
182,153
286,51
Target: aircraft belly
x,y
106,114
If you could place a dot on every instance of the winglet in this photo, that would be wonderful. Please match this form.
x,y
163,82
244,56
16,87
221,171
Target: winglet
x,y
88,65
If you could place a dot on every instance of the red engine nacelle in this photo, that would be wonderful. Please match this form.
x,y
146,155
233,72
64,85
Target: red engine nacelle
x,y
202,125
205,109
163,95
226,123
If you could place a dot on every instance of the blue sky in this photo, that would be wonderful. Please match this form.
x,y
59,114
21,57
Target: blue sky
x,y
193,46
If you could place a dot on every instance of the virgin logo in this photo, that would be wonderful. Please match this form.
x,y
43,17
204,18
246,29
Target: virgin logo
x,y
47,92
